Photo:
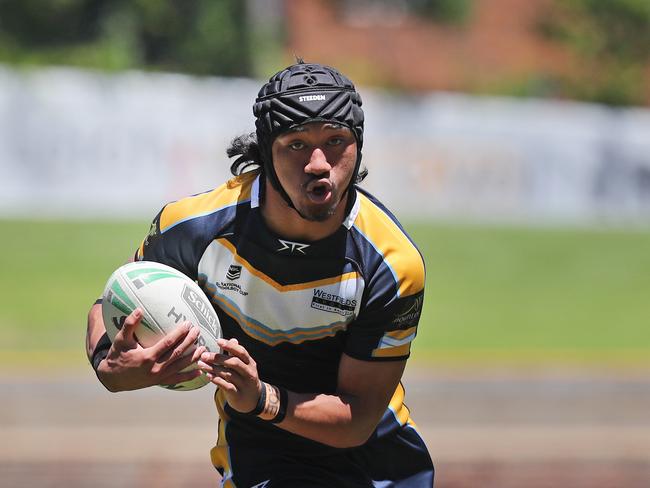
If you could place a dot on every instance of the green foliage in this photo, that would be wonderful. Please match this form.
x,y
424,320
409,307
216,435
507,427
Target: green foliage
x,y
446,11
494,295
195,36
203,36
611,38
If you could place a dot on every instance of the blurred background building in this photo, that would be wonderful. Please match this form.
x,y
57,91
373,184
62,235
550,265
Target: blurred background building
x,y
491,109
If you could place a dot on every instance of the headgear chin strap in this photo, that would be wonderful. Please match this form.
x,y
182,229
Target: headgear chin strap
x,y
300,94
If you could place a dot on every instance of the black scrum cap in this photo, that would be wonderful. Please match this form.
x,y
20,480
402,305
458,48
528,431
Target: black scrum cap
x,y
302,93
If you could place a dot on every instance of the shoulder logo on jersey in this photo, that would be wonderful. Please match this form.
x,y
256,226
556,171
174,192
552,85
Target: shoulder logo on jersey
x,y
411,312
153,231
292,246
330,302
263,484
234,272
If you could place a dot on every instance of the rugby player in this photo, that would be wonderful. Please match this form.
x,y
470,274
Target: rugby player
x,y
318,290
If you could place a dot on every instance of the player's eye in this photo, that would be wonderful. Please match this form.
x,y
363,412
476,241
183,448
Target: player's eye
x,y
335,141
297,145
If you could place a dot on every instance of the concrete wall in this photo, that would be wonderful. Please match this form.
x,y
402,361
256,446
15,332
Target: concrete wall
x,y
75,144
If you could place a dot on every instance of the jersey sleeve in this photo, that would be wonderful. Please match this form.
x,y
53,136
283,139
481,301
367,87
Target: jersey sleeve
x,y
182,230
174,247
388,320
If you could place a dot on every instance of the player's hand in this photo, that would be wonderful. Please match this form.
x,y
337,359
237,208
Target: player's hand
x,y
235,372
129,366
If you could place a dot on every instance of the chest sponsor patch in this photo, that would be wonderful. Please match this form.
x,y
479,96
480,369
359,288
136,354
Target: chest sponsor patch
x,y
330,302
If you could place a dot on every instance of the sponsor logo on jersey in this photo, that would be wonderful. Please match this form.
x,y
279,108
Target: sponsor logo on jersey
x,y
211,289
263,484
229,286
311,98
292,246
410,313
330,302
234,272
153,230
203,311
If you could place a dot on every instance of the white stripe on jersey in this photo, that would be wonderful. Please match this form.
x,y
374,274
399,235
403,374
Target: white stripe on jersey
x,y
387,341
273,313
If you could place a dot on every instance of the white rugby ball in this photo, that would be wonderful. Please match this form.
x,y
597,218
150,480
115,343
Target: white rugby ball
x,y
167,298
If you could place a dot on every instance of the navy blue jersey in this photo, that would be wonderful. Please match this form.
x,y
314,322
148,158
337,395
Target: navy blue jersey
x,y
296,307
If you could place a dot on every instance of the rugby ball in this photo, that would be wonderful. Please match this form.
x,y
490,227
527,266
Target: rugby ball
x,y
167,298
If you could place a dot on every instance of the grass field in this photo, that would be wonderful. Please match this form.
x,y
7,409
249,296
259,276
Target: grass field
x,y
494,295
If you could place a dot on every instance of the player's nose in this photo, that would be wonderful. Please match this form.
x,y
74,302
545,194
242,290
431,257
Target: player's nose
x,y
318,163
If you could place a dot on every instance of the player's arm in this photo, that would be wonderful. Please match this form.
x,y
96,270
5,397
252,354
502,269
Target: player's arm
x,y
97,341
345,419
95,330
125,365
350,417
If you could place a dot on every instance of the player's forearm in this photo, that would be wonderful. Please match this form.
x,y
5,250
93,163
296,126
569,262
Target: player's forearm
x,y
94,333
337,420
95,329
345,419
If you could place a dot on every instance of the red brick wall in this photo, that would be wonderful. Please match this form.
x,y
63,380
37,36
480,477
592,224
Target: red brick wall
x,y
498,42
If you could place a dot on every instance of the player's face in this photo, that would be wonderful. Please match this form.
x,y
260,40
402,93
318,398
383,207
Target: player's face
x,y
314,164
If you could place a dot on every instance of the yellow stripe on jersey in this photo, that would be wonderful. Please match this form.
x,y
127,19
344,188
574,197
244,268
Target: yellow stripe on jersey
x,y
390,241
398,351
399,335
395,343
219,454
397,406
413,424
220,402
235,190
229,483
283,288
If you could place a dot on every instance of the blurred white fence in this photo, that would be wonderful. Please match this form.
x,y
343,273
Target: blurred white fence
x,y
83,144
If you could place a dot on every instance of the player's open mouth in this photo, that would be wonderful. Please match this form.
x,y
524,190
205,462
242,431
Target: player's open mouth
x,y
319,191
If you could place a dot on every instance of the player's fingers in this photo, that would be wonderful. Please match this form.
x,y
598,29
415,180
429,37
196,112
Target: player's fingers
x,y
165,368
214,357
233,370
207,368
232,363
235,364
170,340
130,324
182,348
225,385
180,377
215,370
197,353
233,348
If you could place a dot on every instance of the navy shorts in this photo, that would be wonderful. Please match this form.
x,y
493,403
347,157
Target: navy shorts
x,y
398,460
